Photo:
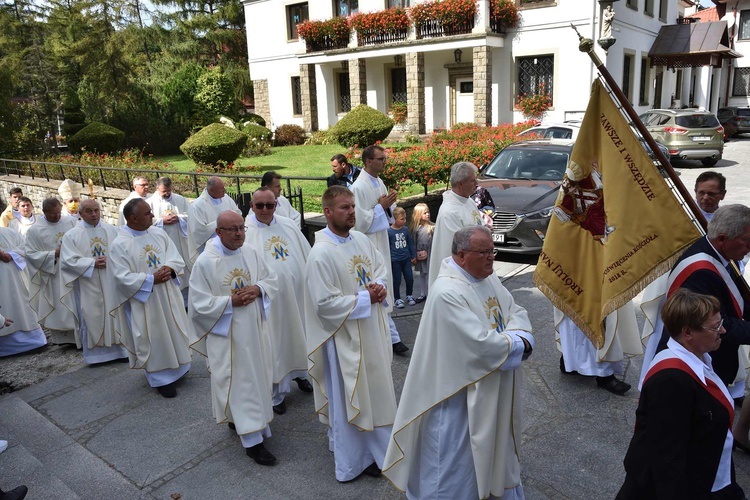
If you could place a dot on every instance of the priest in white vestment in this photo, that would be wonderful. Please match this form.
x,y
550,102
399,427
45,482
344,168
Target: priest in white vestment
x,y
579,356
148,309
284,249
70,194
89,281
203,212
231,289
11,211
170,213
458,425
374,205
348,340
25,217
272,181
457,210
25,333
140,190
42,249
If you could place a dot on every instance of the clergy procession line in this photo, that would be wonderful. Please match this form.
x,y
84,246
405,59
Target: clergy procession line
x,y
266,309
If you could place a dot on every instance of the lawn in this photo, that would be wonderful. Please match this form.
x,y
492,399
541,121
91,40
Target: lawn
x,y
289,161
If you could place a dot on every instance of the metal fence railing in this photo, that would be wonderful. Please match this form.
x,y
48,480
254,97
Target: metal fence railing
x,y
239,186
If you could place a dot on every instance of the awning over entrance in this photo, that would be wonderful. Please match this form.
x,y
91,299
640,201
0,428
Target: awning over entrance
x,y
690,45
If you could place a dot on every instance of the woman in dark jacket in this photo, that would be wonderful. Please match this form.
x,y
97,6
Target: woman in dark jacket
x,y
682,446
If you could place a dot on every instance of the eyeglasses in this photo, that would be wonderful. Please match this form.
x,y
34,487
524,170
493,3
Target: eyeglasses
x,y
483,253
380,158
267,206
716,329
234,229
141,185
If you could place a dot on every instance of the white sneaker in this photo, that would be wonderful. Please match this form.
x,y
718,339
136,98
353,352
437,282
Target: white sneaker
x,y
410,300
400,304
3,445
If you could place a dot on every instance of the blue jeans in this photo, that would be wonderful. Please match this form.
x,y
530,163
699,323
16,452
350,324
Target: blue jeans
x,y
402,267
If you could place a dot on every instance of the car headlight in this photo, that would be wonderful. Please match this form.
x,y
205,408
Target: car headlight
x,y
544,213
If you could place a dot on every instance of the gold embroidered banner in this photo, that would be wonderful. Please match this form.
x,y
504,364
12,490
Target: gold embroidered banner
x,y
616,225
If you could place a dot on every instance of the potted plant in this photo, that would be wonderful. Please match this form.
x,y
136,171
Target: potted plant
x,y
330,34
535,105
503,14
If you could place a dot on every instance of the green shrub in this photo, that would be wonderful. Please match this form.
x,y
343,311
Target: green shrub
x,y
257,119
257,132
361,126
99,137
289,135
257,147
320,138
214,145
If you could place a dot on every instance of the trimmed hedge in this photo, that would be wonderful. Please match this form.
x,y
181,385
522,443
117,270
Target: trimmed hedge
x,y
98,137
361,126
214,144
289,135
257,132
257,119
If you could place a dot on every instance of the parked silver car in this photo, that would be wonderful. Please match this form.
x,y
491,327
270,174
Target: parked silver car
x,y
688,134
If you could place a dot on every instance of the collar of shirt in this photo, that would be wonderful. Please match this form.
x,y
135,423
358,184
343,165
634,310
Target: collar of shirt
x,y
253,219
468,276
336,237
224,250
133,231
85,224
699,366
373,180
724,262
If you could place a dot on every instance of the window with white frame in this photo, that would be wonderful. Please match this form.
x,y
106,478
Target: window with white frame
x,y
343,94
627,76
744,33
398,85
345,8
295,14
663,5
648,7
296,95
399,3
678,85
536,75
741,85
633,4
643,89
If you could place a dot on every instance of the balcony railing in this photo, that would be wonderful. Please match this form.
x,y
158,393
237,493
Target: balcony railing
x,y
434,28
327,43
376,38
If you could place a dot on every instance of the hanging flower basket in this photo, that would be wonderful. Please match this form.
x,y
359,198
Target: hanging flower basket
x,y
503,14
373,28
330,34
534,106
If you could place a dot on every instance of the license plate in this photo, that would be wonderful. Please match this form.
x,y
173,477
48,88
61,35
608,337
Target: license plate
x,y
701,138
498,238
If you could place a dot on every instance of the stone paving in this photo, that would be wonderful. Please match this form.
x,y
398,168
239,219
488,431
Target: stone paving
x,y
101,432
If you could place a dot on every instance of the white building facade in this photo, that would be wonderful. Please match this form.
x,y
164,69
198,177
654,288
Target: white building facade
x,y
471,76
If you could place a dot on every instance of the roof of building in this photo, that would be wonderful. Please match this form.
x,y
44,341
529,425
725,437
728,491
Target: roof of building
x,y
693,44
706,15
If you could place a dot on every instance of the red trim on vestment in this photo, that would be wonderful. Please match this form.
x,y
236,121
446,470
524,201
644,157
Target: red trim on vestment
x,y
710,386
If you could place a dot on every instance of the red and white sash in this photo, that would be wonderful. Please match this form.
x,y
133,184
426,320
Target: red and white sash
x,y
699,261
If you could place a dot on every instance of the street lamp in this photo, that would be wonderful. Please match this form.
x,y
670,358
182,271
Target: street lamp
x,y
457,55
398,60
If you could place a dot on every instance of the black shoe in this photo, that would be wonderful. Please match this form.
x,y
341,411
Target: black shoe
x,y
613,385
563,370
399,348
122,360
372,470
17,493
167,391
280,408
260,454
232,426
304,385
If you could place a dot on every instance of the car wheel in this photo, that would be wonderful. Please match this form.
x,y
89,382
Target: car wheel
x,y
709,162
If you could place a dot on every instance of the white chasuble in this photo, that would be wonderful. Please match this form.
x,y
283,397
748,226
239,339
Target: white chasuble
x,y
284,208
89,291
150,320
234,339
456,212
23,224
336,273
178,232
284,249
132,196
372,221
14,293
464,365
202,220
46,287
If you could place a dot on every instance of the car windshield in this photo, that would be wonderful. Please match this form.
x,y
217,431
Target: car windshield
x,y
537,164
697,121
549,132
743,112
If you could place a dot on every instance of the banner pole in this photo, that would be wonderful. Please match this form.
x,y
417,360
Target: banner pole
x,y
587,45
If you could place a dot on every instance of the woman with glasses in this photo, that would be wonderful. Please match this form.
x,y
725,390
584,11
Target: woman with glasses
x,y
682,446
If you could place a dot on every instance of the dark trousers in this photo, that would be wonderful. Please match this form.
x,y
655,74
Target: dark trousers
x,y
402,267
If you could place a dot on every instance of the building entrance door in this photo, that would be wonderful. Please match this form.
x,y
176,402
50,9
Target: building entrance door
x,y
464,100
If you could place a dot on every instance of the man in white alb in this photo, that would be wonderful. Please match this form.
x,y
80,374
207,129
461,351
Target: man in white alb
x,y
203,212
140,190
88,279
284,249
231,289
348,340
272,181
149,314
170,213
374,205
26,217
458,426
42,249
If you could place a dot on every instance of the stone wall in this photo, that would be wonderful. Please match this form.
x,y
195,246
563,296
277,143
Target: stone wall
x,y
262,103
415,120
39,189
482,85
309,97
358,81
